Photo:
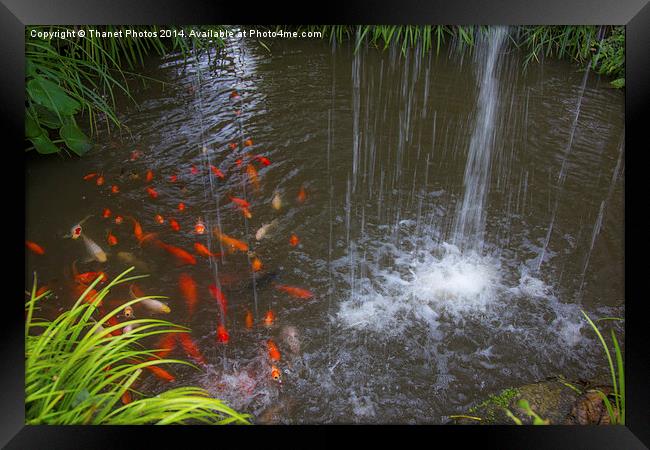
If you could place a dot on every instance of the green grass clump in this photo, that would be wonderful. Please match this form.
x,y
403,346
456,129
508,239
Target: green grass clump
x,y
76,371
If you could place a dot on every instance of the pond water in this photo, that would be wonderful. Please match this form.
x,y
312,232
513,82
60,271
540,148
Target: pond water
x,y
459,213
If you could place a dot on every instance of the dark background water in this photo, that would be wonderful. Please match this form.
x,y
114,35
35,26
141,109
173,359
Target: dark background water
x,y
404,327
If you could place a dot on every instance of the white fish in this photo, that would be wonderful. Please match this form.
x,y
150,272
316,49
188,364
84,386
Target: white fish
x,y
155,306
277,201
132,260
289,335
94,250
75,231
262,232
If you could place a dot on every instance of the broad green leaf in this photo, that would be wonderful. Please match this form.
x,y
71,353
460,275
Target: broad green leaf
x,y
618,83
32,128
43,145
30,68
74,138
50,95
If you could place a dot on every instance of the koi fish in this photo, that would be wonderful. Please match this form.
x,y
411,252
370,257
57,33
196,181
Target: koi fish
x,y
75,231
269,318
263,160
295,291
248,320
199,227
94,250
160,373
256,265
276,202
252,174
190,348
107,213
248,142
34,247
276,374
181,206
240,202
294,240
90,176
181,255
115,189
218,295
302,195
222,334
274,353
119,220
112,240
152,192
100,180
187,286
216,171
128,312
264,230
202,250
174,225
149,176
231,242
159,219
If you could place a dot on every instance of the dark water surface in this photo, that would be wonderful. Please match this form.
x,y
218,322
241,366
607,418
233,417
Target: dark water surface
x,y
409,323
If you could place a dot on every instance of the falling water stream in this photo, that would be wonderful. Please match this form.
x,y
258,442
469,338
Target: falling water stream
x,y
430,183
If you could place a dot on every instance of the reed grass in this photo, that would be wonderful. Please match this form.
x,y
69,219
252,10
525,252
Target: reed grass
x,y
76,371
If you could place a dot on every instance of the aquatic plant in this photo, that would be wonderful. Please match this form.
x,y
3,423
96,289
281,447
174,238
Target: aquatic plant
x,y
77,371
616,412
523,404
73,76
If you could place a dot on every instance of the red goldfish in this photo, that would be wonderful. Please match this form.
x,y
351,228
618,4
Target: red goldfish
x,y
246,212
112,240
90,176
248,142
90,297
256,265
222,334
118,220
126,397
269,318
248,320
160,373
174,225
232,145
34,247
187,286
231,242
264,160
252,174
135,154
302,195
100,180
159,219
294,240
181,206
152,192
216,171
139,234
294,291
181,255
238,162
194,170
275,374
173,178
274,353
149,176
240,202
202,250
107,213
115,189
42,290
166,345
234,94
218,295
199,227
190,348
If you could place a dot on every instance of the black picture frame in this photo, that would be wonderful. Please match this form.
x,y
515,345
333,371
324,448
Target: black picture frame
x,y
635,14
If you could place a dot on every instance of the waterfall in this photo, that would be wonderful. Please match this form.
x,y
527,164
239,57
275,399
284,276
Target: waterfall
x,y
470,219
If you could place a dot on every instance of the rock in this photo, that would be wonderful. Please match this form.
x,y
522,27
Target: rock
x,y
590,409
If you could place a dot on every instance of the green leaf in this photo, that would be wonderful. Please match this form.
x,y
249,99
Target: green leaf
x,y
74,138
30,68
46,117
32,128
43,144
618,83
51,96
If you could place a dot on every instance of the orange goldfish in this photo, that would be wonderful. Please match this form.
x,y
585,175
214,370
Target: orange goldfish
x,y
152,192
222,334
269,318
136,291
256,265
126,397
231,242
246,212
199,227
302,195
107,213
248,320
100,180
90,297
216,171
202,250
118,220
42,290
112,240
149,176
34,247
115,189
194,170
274,353
187,286
174,225
240,202
234,94
181,255
232,145
294,240
90,176
160,373
248,142
181,206
252,174
275,374
190,348
295,291
238,162
263,159
173,178
218,295
166,345
159,219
